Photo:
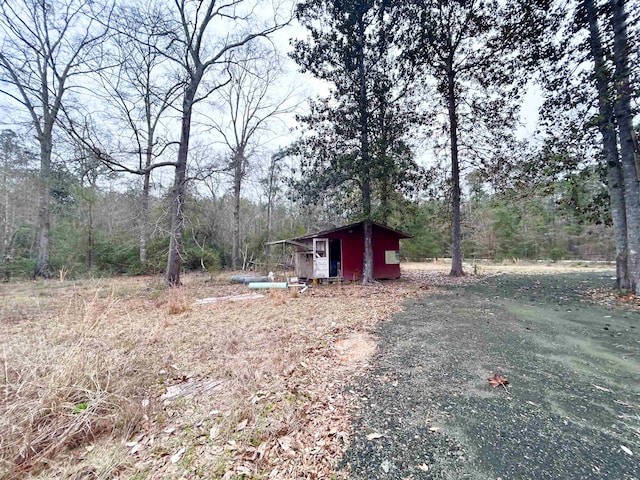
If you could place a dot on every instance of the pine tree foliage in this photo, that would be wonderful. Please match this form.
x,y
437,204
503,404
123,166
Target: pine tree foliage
x,y
332,163
354,151
477,53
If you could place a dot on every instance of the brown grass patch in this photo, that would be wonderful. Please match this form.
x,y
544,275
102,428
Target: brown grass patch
x,y
261,382
85,364
514,266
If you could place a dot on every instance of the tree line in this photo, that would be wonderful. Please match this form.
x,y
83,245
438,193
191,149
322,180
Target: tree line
x,y
419,129
95,226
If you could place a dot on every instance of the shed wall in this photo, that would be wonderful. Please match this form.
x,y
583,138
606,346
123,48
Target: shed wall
x,y
383,241
353,253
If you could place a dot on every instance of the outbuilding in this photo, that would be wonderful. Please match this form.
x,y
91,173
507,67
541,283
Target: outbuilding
x,y
338,253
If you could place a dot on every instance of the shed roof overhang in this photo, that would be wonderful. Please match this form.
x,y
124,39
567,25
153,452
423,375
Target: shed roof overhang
x,y
288,242
323,233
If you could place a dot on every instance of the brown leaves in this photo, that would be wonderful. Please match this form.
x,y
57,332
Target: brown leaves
x,y
610,297
497,380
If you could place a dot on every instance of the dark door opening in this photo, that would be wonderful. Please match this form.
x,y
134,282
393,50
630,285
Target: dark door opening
x,y
335,257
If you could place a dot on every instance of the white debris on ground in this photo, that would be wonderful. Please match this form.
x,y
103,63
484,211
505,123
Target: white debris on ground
x,y
230,298
190,387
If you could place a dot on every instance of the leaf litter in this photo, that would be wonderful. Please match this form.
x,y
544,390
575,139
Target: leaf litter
x,y
498,380
232,388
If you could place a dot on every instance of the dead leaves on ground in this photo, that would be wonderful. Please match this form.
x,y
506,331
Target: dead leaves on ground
x,y
610,297
498,380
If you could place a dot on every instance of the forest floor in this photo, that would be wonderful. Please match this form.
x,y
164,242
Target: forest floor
x,y
121,378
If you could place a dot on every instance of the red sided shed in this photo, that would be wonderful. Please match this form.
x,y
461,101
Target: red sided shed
x,y
339,252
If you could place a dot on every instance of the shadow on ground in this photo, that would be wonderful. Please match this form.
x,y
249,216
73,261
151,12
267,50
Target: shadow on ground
x,y
572,410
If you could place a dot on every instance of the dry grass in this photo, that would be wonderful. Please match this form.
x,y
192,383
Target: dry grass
x,y
515,266
84,367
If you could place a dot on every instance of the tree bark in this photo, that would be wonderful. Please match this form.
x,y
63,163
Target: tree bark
x,y
367,270
144,218
90,236
174,262
43,267
7,235
146,186
456,234
238,173
45,139
622,108
606,125
6,204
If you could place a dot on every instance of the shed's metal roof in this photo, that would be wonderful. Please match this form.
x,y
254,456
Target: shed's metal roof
x,y
348,227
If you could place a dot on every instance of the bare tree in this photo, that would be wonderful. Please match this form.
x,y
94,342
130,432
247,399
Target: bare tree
x,y
250,106
45,46
139,92
202,53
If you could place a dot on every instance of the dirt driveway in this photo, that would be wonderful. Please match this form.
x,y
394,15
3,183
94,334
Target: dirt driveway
x,y
572,410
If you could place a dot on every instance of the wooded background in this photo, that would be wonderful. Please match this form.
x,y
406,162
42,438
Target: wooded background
x,y
161,136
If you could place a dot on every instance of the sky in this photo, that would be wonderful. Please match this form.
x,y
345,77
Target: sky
x,y
306,87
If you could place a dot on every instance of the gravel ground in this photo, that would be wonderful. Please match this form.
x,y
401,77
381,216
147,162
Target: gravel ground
x,y
571,411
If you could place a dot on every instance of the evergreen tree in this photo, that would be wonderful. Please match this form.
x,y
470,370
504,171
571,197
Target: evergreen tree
x,y
598,93
355,138
623,113
466,47
606,125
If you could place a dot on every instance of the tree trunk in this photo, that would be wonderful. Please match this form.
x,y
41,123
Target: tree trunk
x,y
607,129
368,253
385,187
367,264
622,107
90,239
238,167
385,181
456,235
144,218
385,202
43,267
174,262
269,206
271,193
6,204
144,207
270,197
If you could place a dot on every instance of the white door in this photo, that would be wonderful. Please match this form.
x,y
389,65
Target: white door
x,y
320,258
